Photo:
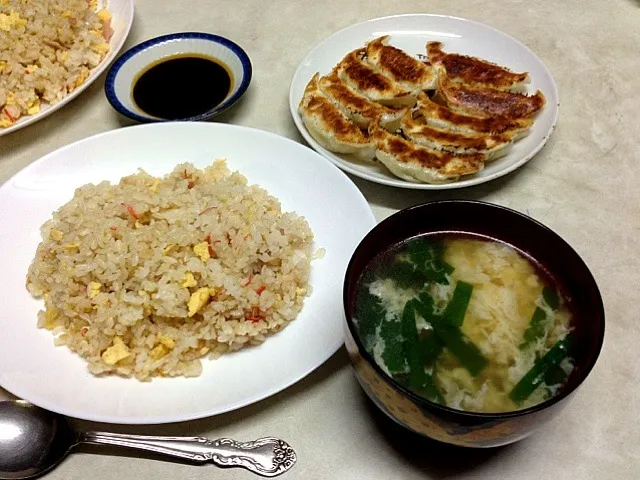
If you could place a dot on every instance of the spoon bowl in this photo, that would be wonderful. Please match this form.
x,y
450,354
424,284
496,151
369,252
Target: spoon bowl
x,y
33,441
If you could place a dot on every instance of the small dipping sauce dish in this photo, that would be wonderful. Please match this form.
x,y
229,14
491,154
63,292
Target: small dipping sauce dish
x,y
187,76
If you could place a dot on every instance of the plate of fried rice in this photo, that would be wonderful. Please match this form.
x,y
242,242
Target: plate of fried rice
x,y
173,271
52,50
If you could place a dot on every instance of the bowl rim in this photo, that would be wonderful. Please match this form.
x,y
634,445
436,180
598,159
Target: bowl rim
x,y
245,61
448,410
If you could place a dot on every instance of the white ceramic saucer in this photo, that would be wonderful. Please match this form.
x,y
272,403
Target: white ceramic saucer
x,y
122,75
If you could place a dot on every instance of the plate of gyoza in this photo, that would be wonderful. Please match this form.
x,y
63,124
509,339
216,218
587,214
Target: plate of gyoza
x,y
424,101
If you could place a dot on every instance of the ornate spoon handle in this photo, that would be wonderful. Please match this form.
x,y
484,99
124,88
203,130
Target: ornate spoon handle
x,y
267,456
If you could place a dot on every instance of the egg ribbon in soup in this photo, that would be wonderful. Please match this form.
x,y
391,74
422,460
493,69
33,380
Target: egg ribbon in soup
x,y
465,322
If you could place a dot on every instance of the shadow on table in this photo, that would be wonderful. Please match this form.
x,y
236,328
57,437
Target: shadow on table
x,y
218,423
438,460
399,198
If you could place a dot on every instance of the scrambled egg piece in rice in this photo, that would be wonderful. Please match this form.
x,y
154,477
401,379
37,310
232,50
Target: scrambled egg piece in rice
x,y
116,352
189,280
202,250
7,21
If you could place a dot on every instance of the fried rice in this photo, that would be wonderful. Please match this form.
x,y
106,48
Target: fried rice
x,y
146,277
47,49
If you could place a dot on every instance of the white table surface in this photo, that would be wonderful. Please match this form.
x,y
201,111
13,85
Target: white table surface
x,y
583,185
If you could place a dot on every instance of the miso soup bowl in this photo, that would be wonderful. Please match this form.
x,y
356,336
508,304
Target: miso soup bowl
x,y
449,425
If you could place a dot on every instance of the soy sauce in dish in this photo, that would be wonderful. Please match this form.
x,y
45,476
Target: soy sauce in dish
x,y
182,86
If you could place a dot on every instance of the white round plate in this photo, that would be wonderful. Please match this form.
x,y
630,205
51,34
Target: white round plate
x,y
411,33
122,18
58,380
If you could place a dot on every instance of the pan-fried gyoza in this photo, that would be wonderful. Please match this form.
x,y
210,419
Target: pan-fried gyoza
x,y
475,71
328,126
416,163
364,79
400,67
487,102
439,116
430,122
358,108
491,146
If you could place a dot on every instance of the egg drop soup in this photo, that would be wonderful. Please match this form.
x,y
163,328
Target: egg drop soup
x,y
466,322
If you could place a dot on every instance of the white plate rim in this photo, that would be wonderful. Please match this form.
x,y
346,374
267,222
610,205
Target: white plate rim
x,y
42,402
397,182
93,76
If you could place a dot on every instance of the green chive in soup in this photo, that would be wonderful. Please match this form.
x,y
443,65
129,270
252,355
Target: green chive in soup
x,y
466,322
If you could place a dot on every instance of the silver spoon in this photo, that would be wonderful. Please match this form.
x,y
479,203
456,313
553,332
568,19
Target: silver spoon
x,y
33,441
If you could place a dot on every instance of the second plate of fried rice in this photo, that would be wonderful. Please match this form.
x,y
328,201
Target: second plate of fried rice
x,y
174,271
52,50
